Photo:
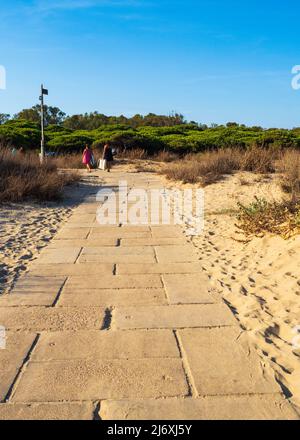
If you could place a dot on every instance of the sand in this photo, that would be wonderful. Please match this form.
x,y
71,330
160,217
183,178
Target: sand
x,y
260,280
25,229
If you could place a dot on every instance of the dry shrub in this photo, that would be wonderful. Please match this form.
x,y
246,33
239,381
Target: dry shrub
x,y
257,160
165,156
289,166
133,154
212,166
262,217
186,172
215,164
23,177
69,161
207,168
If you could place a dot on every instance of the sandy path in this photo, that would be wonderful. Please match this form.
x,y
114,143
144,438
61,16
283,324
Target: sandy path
x,y
144,336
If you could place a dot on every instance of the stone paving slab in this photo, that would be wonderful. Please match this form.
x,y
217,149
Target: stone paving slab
x,y
38,319
101,379
183,316
122,228
255,407
87,208
118,251
220,366
72,234
153,241
33,291
94,258
69,270
17,299
116,282
18,346
34,283
78,225
111,297
82,218
188,288
67,255
159,268
166,231
141,344
110,229
48,411
176,254
102,242
118,233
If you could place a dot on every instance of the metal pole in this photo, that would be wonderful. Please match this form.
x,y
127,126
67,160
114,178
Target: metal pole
x,y
42,125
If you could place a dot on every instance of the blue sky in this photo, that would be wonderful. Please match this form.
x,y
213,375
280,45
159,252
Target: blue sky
x,y
213,61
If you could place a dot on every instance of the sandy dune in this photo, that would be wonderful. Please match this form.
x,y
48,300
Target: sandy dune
x,y
260,280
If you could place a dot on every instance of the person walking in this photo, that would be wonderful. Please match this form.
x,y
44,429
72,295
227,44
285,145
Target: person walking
x,y
87,158
108,156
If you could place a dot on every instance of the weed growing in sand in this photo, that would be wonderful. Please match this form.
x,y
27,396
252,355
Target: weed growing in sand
x,y
261,217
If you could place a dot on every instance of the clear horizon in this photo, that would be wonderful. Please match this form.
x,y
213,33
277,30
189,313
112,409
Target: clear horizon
x,y
214,62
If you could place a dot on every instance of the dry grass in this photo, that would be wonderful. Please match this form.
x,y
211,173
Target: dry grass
x,y
214,165
205,168
186,172
262,217
210,167
133,154
69,161
23,177
165,156
289,166
257,160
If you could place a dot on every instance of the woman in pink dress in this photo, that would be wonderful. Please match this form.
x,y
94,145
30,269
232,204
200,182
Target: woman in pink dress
x,y
87,158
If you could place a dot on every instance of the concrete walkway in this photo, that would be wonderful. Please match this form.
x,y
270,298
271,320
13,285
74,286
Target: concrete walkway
x,y
120,322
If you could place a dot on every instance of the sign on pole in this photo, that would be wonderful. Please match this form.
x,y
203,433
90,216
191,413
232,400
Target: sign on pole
x,y
44,92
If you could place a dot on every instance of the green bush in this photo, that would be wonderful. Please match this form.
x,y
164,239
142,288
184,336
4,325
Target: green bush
x,y
18,133
69,143
179,139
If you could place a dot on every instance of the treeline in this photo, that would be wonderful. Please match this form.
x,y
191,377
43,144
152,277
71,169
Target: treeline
x,y
151,133
92,121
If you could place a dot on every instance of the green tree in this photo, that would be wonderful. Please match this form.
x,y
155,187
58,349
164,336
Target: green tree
x,y
4,118
53,115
